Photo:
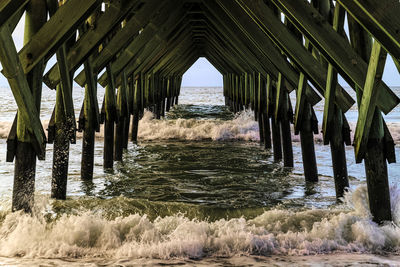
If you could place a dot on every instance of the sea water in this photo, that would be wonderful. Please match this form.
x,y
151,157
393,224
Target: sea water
x,y
198,189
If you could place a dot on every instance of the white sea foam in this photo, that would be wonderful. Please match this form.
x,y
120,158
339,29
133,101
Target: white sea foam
x,y
242,127
275,232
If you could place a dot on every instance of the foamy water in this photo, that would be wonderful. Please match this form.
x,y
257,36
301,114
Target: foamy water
x,y
161,206
242,127
88,234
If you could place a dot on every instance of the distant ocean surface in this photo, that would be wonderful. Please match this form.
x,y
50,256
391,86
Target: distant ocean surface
x,y
197,190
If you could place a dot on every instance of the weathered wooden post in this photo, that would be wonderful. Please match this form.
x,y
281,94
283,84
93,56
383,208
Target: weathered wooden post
x,y
305,123
169,84
283,114
91,122
266,87
123,115
276,131
136,109
259,107
24,144
109,120
334,120
370,131
64,119
128,105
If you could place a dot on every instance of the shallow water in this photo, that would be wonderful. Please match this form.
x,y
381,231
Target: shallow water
x,y
199,190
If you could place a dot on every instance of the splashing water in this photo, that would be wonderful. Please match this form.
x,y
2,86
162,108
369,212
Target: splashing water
x,y
89,233
242,127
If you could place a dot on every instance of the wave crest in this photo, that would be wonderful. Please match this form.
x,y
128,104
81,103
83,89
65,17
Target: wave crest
x,y
278,232
242,127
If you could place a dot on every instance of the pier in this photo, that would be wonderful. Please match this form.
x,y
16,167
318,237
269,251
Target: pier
x,y
138,50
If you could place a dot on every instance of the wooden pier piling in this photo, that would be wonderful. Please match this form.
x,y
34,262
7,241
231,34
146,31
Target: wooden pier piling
x,y
26,145
90,124
109,120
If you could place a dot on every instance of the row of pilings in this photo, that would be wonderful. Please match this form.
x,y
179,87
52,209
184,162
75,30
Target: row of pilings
x,y
139,50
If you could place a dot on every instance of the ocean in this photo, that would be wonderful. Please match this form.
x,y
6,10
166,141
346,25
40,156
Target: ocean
x,y
197,189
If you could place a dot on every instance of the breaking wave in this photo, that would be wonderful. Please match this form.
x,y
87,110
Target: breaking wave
x,y
242,127
86,233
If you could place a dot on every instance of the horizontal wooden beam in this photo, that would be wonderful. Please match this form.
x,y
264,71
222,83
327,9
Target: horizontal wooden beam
x,y
152,36
56,31
9,7
91,39
123,37
283,38
266,46
380,18
334,47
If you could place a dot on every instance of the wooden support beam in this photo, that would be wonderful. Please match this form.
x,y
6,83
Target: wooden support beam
x,y
64,122
136,110
256,35
375,159
91,123
91,39
333,118
335,48
369,103
120,40
285,114
380,19
338,26
300,95
27,110
171,13
60,150
110,117
66,89
280,35
56,31
9,7
28,146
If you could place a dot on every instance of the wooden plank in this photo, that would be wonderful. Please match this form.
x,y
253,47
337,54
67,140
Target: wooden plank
x,y
338,24
221,22
269,96
66,92
256,35
91,39
9,7
172,12
369,100
300,103
280,35
278,97
91,104
153,47
123,37
56,31
13,71
335,48
380,18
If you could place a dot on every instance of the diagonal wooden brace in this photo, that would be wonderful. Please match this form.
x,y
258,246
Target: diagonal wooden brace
x,y
22,93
